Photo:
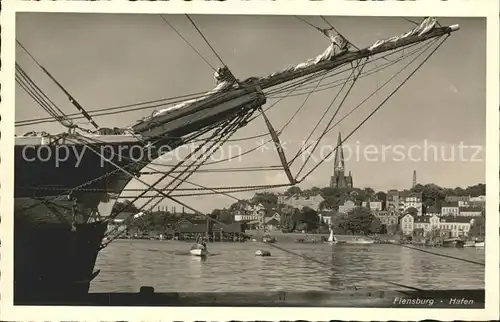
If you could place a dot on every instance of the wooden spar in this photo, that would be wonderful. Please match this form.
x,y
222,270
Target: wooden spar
x,y
279,149
352,56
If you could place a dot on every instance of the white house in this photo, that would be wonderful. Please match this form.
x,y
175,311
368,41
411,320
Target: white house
x,y
450,208
374,205
250,212
427,223
406,224
347,207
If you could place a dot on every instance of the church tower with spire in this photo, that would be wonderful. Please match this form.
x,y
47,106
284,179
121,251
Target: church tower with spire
x,y
339,178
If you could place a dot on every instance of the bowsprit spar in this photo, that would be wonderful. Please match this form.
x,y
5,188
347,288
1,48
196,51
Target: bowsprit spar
x,y
210,119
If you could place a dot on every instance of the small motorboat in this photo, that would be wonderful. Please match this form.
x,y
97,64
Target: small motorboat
x,y
360,240
453,242
199,250
260,252
470,243
479,244
268,239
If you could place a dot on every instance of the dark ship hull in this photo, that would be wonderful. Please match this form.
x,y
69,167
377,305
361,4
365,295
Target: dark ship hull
x,y
57,235
53,263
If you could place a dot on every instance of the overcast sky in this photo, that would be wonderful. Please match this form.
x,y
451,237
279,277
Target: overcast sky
x,y
107,60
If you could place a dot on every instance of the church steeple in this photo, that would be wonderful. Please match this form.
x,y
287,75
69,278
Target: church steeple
x,y
339,179
339,155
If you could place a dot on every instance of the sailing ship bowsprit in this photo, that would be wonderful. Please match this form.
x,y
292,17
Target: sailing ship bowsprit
x,y
67,184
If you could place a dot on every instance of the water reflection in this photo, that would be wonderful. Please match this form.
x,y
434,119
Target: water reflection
x,y
166,265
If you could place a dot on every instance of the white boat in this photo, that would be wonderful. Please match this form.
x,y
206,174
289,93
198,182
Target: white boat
x,y
331,239
470,243
479,244
360,240
198,250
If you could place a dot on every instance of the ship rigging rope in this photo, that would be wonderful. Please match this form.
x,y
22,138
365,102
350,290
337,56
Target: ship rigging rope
x,y
356,75
188,43
181,98
377,108
422,51
77,105
206,40
34,91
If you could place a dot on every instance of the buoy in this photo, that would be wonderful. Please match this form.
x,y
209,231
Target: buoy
x,y
260,252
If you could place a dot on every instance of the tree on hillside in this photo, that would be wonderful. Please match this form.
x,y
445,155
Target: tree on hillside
x,y
289,219
334,197
238,205
310,218
393,229
292,191
225,216
360,221
376,226
315,190
381,196
265,198
216,212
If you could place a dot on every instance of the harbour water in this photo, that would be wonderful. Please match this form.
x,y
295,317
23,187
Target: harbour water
x,y
126,265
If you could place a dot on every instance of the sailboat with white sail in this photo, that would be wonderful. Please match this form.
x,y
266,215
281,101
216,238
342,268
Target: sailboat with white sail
x,y
331,239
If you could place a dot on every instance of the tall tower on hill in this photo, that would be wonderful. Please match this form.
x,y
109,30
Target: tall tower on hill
x,y
339,179
414,179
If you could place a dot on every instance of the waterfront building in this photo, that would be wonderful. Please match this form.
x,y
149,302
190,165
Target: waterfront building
x,y
427,223
455,226
406,224
339,178
249,212
450,208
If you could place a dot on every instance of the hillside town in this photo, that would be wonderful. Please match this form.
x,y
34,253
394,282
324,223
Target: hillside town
x,y
420,211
